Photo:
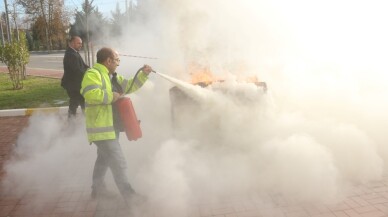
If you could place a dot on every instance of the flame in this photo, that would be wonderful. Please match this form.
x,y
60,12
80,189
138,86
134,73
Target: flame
x,y
201,75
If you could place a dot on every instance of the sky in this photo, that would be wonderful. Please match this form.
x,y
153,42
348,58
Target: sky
x,y
104,6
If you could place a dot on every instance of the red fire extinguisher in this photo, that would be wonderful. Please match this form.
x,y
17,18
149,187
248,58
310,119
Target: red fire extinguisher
x,y
128,118
129,121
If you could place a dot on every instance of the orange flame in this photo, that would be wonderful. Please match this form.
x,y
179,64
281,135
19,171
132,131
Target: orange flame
x,y
202,76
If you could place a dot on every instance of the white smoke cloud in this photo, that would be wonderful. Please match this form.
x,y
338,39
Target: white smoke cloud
x,y
318,129
323,64
47,155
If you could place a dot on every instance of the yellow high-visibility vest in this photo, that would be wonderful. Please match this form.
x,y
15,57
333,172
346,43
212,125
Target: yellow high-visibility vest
x,y
96,88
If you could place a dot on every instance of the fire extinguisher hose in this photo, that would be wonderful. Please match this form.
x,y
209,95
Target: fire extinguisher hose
x,y
133,81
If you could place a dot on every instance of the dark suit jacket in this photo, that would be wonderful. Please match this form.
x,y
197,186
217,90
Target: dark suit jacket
x,y
74,69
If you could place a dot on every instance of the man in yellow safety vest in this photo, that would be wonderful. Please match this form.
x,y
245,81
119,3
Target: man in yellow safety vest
x,y
100,89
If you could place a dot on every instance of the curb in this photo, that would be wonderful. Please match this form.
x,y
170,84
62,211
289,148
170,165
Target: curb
x,y
46,51
31,111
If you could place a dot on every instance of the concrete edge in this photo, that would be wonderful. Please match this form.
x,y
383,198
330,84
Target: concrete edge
x,y
31,111
46,51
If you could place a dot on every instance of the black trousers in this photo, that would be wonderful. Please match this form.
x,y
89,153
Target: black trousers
x,y
76,99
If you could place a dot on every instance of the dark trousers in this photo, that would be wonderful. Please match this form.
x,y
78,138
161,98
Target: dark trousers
x,y
76,99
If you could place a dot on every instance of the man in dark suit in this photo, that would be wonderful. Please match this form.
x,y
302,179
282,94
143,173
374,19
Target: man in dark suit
x,y
74,69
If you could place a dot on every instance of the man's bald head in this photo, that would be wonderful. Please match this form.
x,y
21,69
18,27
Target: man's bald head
x,y
104,53
109,58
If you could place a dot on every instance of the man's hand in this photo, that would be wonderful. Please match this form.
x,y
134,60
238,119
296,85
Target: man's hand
x,y
147,69
116,96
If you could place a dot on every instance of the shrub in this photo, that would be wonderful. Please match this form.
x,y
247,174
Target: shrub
x,y
16,56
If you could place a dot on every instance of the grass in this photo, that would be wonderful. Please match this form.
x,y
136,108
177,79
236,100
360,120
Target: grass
x,y
37,92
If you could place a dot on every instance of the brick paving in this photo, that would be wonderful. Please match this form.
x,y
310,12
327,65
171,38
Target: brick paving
x,y
366,200
9,129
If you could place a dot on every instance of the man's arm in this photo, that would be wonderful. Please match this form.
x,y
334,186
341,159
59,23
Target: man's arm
x,y
141,78
91,89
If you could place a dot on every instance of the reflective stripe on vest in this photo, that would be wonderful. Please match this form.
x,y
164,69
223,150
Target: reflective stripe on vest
x,y
90,87
124,85
87,105
138,83
100,129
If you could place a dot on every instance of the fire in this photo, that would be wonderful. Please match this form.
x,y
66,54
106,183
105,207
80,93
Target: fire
x,y
201,75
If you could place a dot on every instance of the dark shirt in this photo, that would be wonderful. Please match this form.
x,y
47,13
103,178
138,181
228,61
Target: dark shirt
x,y
117,123
74,69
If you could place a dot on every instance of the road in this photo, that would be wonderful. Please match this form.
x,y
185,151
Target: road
x,y
45,60
43,64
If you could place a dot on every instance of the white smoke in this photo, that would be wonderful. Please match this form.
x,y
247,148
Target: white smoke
x,y
47,155
324,108
318,129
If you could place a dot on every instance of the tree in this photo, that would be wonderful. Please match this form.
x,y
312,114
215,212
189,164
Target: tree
x,y
118,19
30,40
58,31
49,18
41,9
97,24
38,31
16,56
90,25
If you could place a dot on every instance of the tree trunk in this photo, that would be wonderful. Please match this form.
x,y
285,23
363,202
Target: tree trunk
x,y
15,74
46,26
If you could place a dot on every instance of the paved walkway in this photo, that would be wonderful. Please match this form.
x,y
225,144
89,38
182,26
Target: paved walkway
x,y
369,200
